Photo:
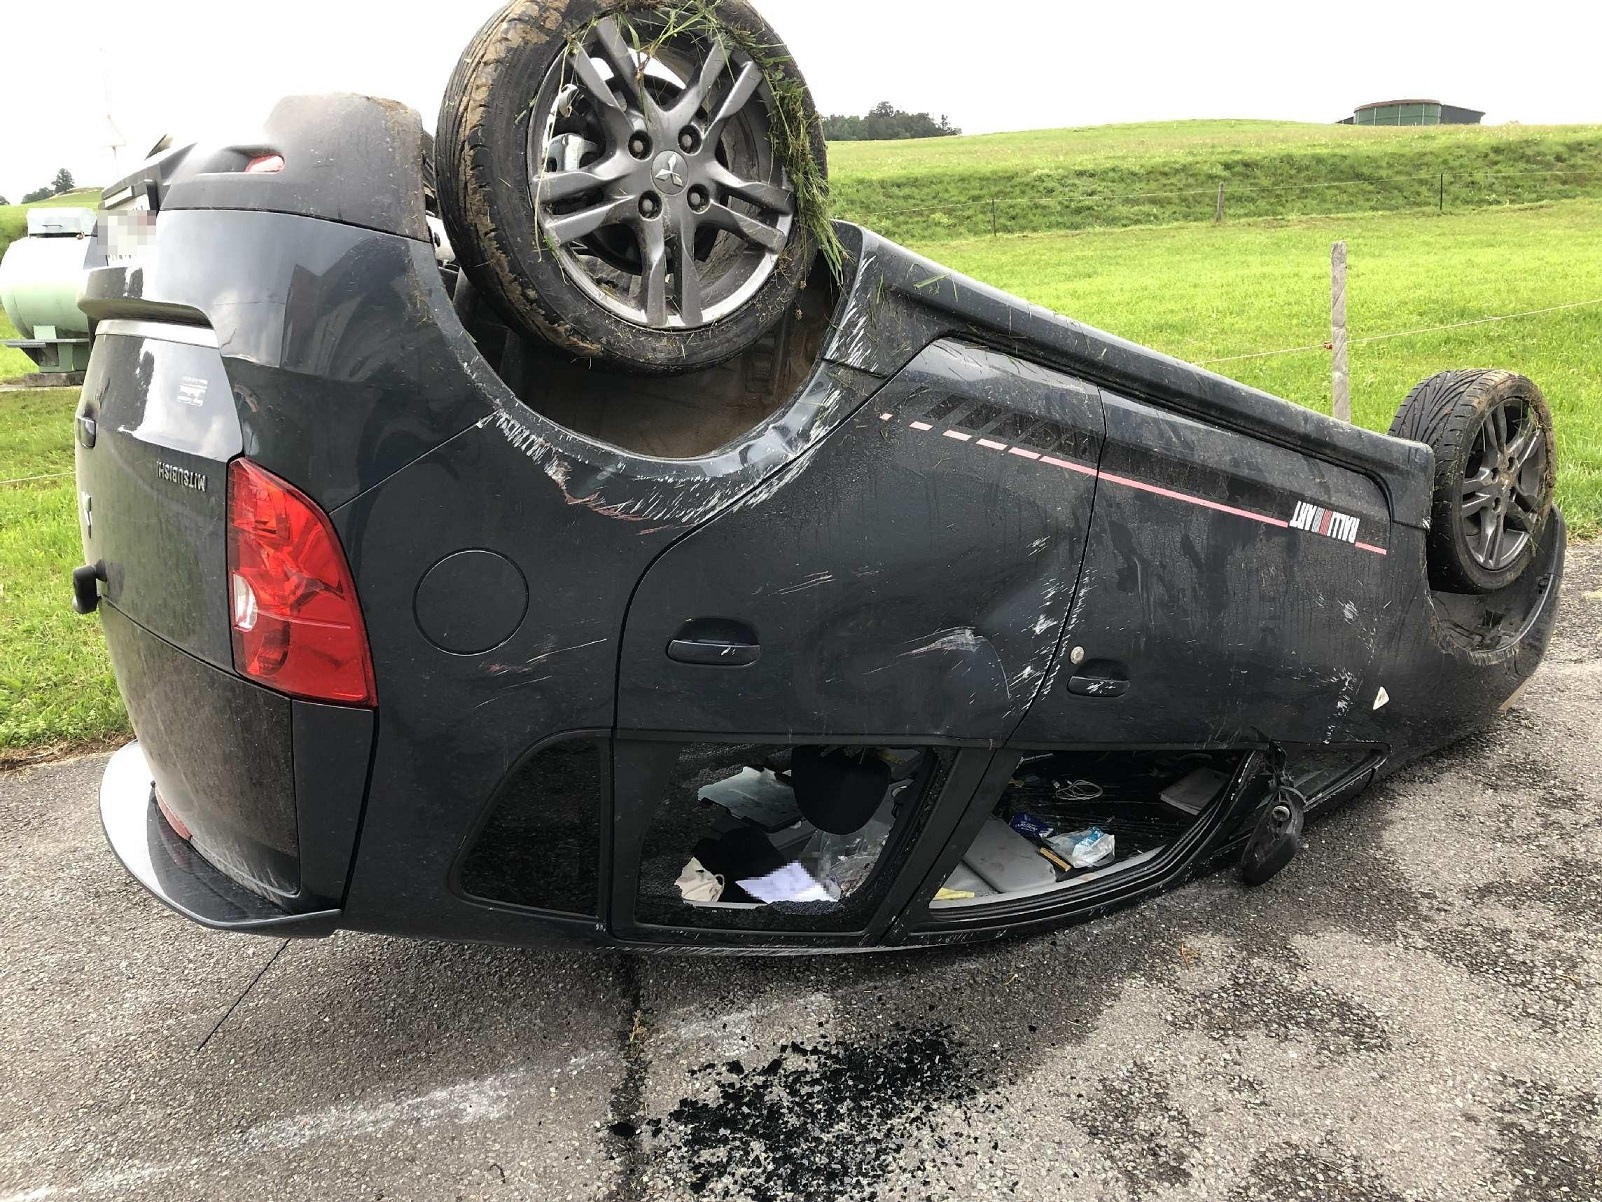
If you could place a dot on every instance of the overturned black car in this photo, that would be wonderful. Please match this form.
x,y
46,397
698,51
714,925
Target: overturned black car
x,y
562,530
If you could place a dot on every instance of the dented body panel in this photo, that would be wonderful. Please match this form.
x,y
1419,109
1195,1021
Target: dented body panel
x,y
975,527
833,568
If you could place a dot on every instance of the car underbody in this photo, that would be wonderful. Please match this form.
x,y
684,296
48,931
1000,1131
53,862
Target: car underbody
x,y
861,639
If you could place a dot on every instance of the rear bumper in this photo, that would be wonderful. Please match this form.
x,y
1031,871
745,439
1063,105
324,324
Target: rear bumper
x,y
271,788
174,872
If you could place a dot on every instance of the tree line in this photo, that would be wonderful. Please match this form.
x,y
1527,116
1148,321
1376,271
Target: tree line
x,y
886,123
63,182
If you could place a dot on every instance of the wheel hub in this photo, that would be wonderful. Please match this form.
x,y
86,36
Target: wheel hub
x,y
669,173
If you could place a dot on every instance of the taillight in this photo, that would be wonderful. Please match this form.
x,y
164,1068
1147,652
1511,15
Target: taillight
x,y
265,164
297,624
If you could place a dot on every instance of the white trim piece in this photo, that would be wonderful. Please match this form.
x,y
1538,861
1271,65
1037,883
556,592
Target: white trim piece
x,y
164,331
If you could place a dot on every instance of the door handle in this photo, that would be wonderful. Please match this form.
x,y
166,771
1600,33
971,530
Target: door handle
x,y
714,655
715,643
1097,686
1107,679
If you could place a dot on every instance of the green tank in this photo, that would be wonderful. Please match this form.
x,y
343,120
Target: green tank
x,y
41,279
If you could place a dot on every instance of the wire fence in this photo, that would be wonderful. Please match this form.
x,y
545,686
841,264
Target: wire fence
x,y
31,479
1051,209
1455,325
1443,183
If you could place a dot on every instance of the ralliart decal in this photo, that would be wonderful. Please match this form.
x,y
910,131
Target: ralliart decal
x,y
1318,520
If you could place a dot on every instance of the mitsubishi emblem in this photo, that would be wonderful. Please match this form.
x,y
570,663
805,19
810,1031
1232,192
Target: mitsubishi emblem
x,y
669,172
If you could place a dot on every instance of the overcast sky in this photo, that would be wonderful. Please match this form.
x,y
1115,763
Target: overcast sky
x,y
211,67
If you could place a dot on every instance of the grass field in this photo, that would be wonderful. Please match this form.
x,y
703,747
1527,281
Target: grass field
x,y
13,223
1202,293
1167,172
1207,293
56,687
13,363
1199,291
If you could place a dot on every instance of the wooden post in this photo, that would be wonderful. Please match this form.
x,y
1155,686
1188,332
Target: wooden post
x,y
1218,214
1342,404
994,229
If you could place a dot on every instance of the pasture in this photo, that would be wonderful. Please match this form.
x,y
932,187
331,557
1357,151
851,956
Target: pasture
x,y
1221,295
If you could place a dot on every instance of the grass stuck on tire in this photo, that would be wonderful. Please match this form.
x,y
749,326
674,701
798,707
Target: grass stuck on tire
x,y
794,140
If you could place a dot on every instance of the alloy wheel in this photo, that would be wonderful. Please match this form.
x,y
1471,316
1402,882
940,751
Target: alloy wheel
x,y
1500,509
654,177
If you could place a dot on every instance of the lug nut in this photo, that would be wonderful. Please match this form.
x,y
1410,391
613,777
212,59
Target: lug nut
x,y
650,205
689,140
698,199
639,146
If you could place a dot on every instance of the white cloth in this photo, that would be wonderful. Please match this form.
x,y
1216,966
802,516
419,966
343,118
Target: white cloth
x,y
696,884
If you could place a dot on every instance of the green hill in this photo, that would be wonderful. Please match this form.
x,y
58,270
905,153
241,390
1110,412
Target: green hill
x,y
1168,172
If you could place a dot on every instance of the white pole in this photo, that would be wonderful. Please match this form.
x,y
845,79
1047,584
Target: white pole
x,y
1342,406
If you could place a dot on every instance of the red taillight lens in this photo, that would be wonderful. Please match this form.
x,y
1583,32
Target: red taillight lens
x,y
296,621
265,164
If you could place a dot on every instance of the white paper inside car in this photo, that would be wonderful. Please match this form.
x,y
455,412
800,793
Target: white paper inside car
x,y
792,883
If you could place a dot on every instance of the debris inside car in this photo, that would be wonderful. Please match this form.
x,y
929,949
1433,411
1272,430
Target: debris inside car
x,y
563,531
1067,818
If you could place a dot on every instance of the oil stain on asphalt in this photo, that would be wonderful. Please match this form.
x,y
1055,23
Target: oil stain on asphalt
x,y
824,1120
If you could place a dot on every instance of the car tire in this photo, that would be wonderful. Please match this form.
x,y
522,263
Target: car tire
x,y
660,222
1495,471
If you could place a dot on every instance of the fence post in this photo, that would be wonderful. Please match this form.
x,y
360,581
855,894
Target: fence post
x,y
1440,198
993,227
1218,214
1342,402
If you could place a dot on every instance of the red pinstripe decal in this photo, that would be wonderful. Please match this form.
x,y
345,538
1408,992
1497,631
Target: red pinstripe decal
x,y
1072,467
1193,500
1140,485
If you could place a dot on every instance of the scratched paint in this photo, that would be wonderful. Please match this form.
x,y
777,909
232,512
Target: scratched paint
x,y
963,641
660,494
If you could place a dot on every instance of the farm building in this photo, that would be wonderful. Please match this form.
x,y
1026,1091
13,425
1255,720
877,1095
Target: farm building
x,y
1412,112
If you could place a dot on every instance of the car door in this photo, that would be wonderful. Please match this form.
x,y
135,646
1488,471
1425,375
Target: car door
x,y
904,585
907,580
1232,592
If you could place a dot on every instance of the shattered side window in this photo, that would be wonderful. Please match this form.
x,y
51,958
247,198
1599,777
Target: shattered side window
x,y
760,837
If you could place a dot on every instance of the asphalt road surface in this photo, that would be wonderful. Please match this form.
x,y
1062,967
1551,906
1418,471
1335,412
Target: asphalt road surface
x,y
1411,1011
